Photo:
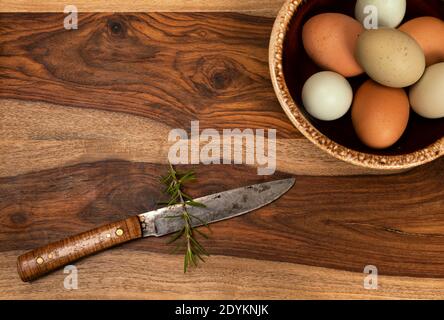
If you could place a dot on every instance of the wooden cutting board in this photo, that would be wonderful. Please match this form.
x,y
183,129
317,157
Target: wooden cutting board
x,y
84,122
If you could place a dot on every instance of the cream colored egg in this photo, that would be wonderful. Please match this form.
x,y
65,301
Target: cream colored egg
x,y
389,13
390,57
327,95
427,96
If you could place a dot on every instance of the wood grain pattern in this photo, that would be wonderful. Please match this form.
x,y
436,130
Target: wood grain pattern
x,y
84,118
35,263
123,274
141,65
337,222
38,136
255,7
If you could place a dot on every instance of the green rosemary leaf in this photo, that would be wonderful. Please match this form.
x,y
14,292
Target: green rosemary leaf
x,y
198,246
192,257
199,256
185,263
185,196
199,220
176,236
173,200
201,233
174,182
165,179
165,203
195,204
187,176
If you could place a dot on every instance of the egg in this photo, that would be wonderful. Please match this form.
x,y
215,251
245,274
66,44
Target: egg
x,y
380,114
390,13
390,57
330,40
427,96
327,95
429,33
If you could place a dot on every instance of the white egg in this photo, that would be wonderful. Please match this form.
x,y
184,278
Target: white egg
x,y
389,13
427,95
327,95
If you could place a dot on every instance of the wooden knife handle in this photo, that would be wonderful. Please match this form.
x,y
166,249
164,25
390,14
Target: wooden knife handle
x,y
38,262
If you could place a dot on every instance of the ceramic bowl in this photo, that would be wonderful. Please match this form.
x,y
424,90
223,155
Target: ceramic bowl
x,y
290,67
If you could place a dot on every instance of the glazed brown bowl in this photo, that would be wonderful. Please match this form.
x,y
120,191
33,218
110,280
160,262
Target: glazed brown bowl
x,y
290,67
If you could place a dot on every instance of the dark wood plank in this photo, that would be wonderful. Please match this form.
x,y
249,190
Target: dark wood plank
x,y
168,67
394,222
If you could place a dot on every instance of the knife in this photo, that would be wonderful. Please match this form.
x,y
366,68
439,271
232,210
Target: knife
x,y
157,223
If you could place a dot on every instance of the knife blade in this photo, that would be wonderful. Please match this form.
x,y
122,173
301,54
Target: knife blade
x,y
219,206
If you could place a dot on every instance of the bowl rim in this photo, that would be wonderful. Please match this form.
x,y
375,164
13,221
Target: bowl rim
x,y
293,112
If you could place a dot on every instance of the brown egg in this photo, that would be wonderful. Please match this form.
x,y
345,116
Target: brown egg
x,y
380,114
330,39
429,33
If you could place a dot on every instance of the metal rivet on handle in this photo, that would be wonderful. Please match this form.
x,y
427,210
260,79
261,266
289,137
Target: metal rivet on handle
x,y
39,260
119,232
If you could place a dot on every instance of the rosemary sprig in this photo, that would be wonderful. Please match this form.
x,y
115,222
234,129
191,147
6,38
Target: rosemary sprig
x,y
174,183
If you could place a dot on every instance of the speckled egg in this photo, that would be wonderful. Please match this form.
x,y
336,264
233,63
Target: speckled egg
x,y
390,57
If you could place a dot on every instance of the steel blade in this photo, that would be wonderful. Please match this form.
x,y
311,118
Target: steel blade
x,y
219,206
